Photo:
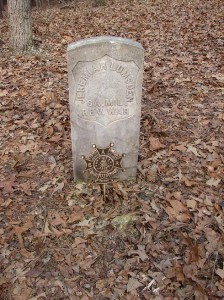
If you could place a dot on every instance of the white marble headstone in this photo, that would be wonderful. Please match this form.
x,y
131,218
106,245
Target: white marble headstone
x,y
105,86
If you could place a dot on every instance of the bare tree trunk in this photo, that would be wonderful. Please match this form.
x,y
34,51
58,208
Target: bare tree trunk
x,y
20,27
1,9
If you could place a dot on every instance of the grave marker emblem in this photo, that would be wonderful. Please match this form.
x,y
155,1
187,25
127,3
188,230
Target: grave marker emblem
x,y
102,163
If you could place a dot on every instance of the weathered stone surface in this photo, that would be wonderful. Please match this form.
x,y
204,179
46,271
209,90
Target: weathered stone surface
x,y
105,84
125,225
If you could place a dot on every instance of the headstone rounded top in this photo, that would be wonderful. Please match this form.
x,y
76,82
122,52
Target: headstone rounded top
x,y
104,39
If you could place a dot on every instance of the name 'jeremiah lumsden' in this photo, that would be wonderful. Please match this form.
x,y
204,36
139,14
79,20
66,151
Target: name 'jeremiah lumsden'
x,y
105,66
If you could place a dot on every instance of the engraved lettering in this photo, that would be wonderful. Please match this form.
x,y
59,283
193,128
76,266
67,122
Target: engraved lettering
x,y
128,79
125,74
109,102
130,86
112,66
120,69
99,111
80,89
84,112
82,82
80,96
125,111
103,65
130,95
105,90
117,111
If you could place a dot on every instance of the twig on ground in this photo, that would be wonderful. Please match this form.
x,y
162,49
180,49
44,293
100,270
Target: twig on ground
x,y
213,270
141,171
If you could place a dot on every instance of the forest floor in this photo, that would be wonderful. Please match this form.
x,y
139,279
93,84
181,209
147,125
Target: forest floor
x,y
60,240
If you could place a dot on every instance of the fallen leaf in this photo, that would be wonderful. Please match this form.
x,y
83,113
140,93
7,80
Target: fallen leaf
x,y
3,93
35,272
219,77
193,150
180,216
47,230
200,293
191,203
8,185
155,144
133,284
100,284
6,203
76,215
59,187
213,182
141,252
220,272
188,182
25,148
86,223
78,240
213,239
38,296
18,230
44,188
181,147
86,263
56,219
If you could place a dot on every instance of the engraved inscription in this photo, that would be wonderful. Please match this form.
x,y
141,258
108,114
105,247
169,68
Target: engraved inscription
x,y
105,111
105,90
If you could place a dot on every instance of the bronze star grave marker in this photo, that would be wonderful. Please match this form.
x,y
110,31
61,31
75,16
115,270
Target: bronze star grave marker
x,y
103,163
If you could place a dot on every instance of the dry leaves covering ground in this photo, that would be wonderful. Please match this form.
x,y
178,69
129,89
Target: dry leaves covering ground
x,y
159,237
